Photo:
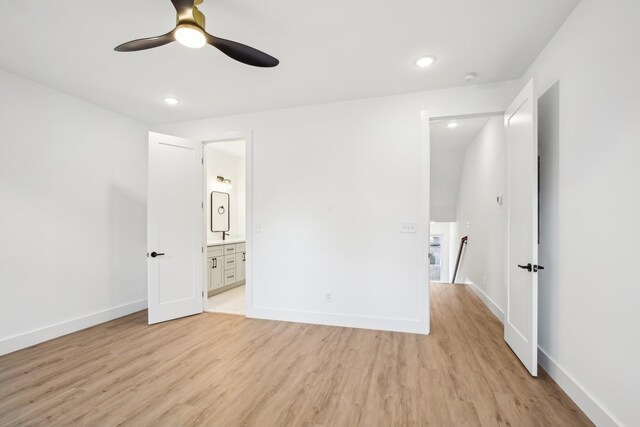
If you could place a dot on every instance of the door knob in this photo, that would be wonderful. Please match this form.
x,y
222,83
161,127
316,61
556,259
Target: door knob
x,y
155,254
537,267
527,267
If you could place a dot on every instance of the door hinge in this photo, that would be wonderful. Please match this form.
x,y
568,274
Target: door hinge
x,y
202,205
202,249
202,160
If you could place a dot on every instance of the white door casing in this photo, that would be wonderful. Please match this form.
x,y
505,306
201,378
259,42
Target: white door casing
x,y
175,217
521,316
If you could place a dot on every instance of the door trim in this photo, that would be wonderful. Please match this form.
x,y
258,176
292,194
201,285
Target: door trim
x,y
247,136
426,117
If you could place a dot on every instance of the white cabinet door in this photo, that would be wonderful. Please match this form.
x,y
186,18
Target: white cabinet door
x,y
217,268
210,274
240,263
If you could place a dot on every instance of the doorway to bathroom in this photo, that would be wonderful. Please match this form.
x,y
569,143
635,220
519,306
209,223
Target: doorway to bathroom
x,y
226,250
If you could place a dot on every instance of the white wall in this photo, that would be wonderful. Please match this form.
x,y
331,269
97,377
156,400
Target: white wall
x,y
332,184
231,167
589,297
73,214
446,169
480,217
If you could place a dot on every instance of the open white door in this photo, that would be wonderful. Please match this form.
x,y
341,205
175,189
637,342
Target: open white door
x,y
521,317
175,234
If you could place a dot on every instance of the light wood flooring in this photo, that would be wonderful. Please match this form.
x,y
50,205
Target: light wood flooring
x,y
225,370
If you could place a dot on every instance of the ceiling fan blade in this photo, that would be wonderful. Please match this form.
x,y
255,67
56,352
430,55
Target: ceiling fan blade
x,y
183,7
242,53
148,43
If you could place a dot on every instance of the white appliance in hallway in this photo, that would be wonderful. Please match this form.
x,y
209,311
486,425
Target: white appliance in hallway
x,y
521,314
436,258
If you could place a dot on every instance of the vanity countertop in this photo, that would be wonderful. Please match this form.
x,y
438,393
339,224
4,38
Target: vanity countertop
x,y
229,241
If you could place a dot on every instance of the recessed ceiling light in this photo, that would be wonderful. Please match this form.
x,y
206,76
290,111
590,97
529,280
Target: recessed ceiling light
x,y
171,101
452,125
425,61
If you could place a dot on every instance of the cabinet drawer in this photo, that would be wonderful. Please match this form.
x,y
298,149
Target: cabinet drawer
x,y
241,247
229,277
229,249
229,262
214,251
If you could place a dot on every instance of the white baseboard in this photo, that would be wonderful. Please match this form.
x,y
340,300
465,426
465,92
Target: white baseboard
x,y
491,305
347,321
587,403
27,339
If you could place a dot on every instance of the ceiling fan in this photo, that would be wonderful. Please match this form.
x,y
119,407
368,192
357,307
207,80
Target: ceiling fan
x,y
190,32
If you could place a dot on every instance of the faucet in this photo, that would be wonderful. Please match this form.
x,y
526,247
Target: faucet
x,y
224,234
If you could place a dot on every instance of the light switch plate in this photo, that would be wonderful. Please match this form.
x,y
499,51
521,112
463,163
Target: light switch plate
x,y
408,227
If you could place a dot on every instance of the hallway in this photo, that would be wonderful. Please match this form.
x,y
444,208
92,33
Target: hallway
x,y
225,370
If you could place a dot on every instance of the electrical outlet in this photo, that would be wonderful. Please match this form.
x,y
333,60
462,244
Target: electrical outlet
x,y
408,227
328,298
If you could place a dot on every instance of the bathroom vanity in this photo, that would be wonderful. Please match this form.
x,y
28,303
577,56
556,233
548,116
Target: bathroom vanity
x,y
226,265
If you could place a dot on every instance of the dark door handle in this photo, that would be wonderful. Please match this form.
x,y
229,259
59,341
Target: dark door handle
x,y
527,267
537,267
155,254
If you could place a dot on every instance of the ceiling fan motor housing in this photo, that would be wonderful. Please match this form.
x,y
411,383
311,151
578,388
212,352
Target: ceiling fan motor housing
x,y
194,17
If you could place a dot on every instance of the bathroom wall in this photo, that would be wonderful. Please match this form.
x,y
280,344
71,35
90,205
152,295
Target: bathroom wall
x,y
225,160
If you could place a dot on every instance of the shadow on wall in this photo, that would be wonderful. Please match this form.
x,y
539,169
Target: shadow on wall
x,y
549,285
127,263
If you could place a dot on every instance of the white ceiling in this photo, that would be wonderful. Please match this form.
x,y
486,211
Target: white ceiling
x,y
233,148
448,148
329,50
444,138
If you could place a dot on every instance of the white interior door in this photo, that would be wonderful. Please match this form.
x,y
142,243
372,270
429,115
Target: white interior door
x,y
521,320
175,236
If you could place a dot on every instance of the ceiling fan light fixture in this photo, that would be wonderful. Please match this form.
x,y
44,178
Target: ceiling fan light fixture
x,y
190,36
190,32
